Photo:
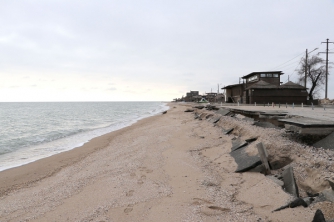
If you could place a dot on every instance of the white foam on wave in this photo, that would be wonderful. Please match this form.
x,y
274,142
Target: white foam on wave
x,y
43,150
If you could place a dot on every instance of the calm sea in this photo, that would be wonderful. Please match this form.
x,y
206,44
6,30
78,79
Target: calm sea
x,y
31,131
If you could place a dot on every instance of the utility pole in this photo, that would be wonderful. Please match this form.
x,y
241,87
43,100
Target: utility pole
x,y
305,69
326,66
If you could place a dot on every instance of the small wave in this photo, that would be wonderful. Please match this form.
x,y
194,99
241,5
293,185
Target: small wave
x,y
67,128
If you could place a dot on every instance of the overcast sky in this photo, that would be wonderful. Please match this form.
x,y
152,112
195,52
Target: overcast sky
x,y
133,50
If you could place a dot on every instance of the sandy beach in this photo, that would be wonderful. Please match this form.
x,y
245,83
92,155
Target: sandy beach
x,y
169,167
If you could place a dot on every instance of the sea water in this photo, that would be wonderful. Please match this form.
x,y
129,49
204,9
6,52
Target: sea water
x,y
31,131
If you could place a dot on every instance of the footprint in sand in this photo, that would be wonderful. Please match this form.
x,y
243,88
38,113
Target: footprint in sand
x,y
129,208
130,193
149,171
142,168
140,181
132,174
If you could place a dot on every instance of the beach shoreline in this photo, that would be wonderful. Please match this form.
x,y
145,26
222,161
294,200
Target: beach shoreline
x,y
65,126
168,167
24,175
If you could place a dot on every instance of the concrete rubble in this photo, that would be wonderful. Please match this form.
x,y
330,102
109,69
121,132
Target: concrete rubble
x,y
284,177
326,143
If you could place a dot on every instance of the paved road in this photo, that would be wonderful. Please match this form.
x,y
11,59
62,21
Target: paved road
x,y
316,113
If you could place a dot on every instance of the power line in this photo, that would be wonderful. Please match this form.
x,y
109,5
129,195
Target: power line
x,y
294,70
288,61
293,58
290,64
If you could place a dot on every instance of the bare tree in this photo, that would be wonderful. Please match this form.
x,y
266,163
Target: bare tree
x,y
315,74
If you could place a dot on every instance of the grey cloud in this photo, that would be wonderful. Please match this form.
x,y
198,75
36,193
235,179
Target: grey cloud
x,y
159,41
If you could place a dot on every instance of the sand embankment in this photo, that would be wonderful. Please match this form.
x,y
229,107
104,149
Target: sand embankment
x,y
168,167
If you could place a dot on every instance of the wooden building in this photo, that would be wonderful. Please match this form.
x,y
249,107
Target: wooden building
x,y
191,96
211,97
233,93
265,87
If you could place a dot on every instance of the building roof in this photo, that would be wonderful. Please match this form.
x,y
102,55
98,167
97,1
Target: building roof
x,y
262,85
265,85
231,86
291,85
253,73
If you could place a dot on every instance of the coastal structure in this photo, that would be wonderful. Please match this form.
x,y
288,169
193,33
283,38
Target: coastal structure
x,y
192,96
211,96
265,87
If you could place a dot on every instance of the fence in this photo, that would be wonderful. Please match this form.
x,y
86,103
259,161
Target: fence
x,y
280,105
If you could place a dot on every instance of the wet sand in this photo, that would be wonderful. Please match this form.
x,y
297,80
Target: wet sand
x,y
168,167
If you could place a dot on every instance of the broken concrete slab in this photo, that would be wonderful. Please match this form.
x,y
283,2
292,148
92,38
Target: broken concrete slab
x,y
319,216
242,117
305,125
251,139
295,203
276,180
237,144
329,193
306,121
274,113
290,185
265,125
264,157
309,200
326,143
223,112
244,161
211,107
231,114
215,120
228,131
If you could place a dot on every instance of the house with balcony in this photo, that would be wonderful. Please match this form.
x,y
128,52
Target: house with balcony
x,y
265,87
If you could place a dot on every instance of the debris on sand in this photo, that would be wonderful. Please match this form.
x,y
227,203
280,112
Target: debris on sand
x,y
295,203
